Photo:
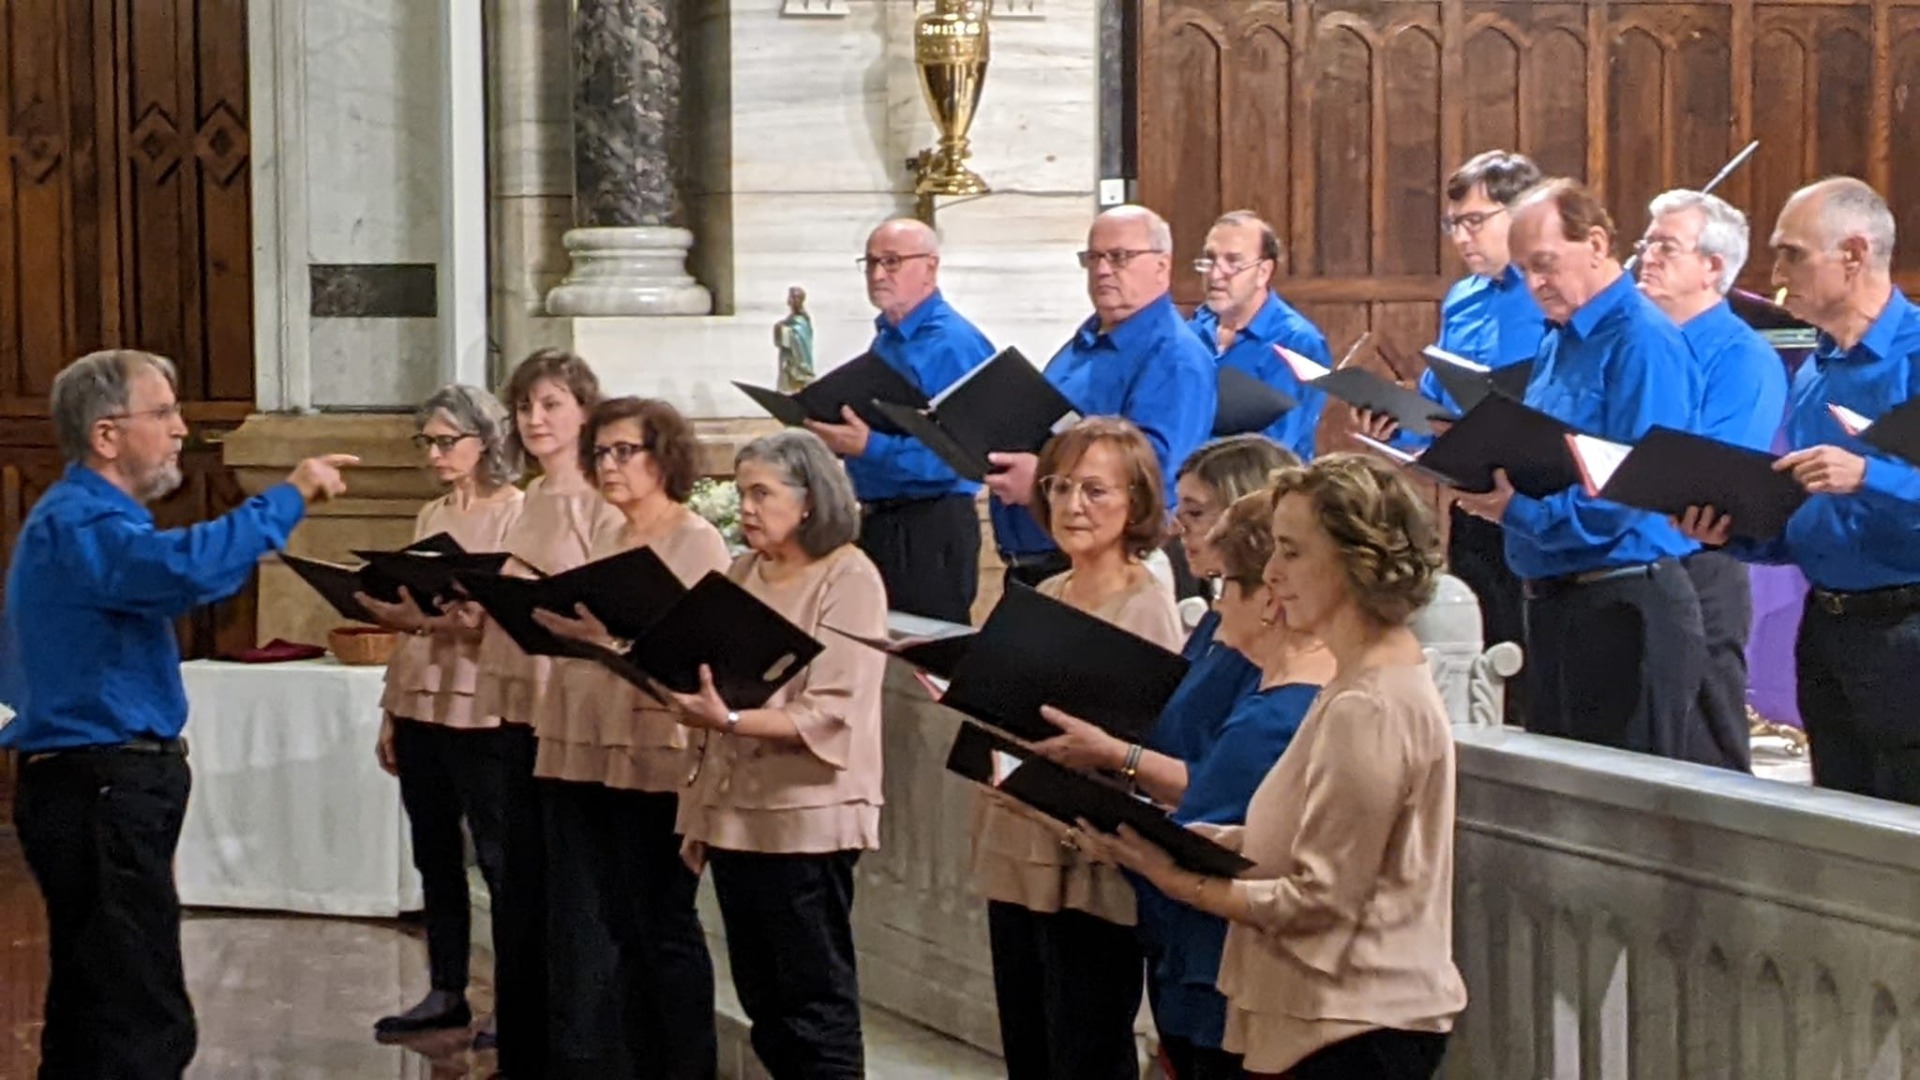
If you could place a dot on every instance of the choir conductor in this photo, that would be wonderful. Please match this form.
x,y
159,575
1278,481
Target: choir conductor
x,y
92,671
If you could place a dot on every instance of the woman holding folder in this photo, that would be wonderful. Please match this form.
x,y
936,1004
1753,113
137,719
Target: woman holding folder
x,y
635,983
784,798
1066,963
551,393
1338,962
448,754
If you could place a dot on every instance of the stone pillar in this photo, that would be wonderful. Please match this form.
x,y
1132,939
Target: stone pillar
x,y
627,249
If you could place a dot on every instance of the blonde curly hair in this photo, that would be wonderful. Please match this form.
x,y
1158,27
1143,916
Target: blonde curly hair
x,y
1383,532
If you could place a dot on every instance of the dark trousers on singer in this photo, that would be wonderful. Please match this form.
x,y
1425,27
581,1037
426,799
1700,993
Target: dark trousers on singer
x,y
1726,618
449,775
1477,555
1068,988
631,979
1857,664
520,915
928,554
99,829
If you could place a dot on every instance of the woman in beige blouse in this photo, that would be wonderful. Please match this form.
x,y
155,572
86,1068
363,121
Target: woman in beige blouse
x,y
784,798
446,753
1067,967
551,393
636,997
1339,960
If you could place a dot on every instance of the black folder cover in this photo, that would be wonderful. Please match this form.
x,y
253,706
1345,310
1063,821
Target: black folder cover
x,y
857,383
1503,434
336,585
431,577
1005,405
1069,796
1669,471
1896,432
932,645
1247,404
1469,384
439,543
751,649
627,592
1364,390
1036,651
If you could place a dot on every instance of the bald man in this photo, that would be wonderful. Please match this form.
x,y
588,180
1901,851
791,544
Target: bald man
x,y
903,486
1134,357
1857,537
1616,652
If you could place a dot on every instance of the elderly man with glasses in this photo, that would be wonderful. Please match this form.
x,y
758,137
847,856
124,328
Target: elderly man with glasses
x,y
1243,319
1134,357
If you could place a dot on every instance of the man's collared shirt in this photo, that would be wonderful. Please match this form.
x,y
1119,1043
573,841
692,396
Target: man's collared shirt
x,y
1150,369
1276,323
933,346
1490,320
1744,381
1870,539
91,597
1616,368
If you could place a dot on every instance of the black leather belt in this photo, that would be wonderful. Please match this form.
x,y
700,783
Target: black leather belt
x,y
1541,588
1897,600
140,745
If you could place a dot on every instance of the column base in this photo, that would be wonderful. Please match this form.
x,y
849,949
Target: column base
x,y
629,271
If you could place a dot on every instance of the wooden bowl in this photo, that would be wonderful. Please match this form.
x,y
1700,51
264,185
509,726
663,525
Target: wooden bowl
x,y
362,645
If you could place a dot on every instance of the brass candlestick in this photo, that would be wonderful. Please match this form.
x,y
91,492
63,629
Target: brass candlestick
x,y
950,47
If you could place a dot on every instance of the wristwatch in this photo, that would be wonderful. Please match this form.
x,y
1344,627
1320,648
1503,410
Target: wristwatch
x,y
733,721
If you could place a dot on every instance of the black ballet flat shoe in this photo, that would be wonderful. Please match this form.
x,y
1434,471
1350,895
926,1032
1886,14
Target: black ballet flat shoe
x,y
439,1010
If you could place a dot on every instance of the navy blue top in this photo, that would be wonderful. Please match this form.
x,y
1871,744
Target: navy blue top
x,y
1221,778
1217,678
1149,369
1870,539
1744,381
1489,320
1275,323
1617,367
91,597
933,346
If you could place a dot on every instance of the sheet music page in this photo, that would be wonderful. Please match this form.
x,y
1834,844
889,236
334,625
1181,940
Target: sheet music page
x,y
1003,766
1598,459
1852,422
1435,352
1393,453
1303,369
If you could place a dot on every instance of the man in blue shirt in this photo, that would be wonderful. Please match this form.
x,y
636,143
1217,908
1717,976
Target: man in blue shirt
x,y
1857,537
1691,255
1243,319
93,675
1488,317
1615,650
904,487
1134,358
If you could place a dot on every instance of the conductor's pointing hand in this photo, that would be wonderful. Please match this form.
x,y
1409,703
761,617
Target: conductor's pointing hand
x,y
318,478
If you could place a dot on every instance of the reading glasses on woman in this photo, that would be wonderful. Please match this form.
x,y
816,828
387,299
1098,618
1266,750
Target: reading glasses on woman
x,y
620,452
1063,488
440,443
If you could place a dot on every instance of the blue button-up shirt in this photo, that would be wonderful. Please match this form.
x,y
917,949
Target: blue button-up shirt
x,y
1252,352
1616,368
1870,539
933,346
1151,370
91,597
1744,381
1489,320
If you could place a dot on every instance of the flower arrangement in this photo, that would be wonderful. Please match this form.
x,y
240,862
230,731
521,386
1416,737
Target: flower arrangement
x,y
719,502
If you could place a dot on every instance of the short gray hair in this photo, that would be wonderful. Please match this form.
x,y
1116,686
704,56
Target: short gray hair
x,y
476,412
1850,207
95,388
806,465
1159,233
1723,229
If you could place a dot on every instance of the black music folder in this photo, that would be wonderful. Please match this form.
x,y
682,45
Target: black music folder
x,y
932,645
1363,389
439,543
1669,471
627,592
1500,434
1469,382
1036,651
858,383
751,649
336,584
1896,431
432,576
1004,405
1069,796
1247,405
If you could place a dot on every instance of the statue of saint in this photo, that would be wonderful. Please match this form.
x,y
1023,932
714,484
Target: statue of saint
x,y
793,336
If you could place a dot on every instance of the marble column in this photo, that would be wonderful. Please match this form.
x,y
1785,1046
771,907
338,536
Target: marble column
x,y
627,247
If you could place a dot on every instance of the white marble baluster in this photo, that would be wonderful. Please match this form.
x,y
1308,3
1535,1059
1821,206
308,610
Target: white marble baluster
x,y
1821,1031
1654,1004
1767,1036
1605,1017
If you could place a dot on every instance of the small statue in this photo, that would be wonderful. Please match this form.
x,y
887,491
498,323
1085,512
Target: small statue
x,y
793,336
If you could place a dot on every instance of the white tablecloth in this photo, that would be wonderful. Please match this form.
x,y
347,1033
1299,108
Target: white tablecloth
x,y
290,811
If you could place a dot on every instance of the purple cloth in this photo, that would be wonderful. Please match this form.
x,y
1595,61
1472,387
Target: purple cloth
x,y
1778,595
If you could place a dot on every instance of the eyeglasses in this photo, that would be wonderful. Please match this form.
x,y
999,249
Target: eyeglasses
x,y
1231,269
159,412
1666,246
889,263
442,443
1118,258
620,452
1061,489
1473,222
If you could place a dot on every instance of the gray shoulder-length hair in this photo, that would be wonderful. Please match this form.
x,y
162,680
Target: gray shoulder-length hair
x,y
806,465
94,388
476,412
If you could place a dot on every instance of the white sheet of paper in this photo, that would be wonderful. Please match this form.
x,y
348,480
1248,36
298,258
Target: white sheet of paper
x,y
1303,369
1598,459
1392,453
1852,421
1003,766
